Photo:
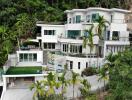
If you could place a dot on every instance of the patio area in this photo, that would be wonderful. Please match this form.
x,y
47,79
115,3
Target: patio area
x,y
18,94
20,83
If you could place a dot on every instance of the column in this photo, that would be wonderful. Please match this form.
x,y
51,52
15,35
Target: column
x,y
4,83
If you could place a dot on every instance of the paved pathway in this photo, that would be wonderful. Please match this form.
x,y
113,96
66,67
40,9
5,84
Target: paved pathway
x,y
26,94
18,94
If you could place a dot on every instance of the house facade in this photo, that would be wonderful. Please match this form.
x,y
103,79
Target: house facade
x,y
60,44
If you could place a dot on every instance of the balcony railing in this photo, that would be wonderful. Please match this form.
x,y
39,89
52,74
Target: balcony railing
x,y
118,21
118,39
30,48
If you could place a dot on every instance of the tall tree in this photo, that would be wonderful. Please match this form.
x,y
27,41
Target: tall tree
x,y
39,90
74,80
88,39
101,28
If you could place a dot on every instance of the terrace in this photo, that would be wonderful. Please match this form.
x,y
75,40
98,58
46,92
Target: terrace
x,y
24,70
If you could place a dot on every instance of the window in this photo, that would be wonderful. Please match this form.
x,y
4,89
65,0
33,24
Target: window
x,y
65,47
75,48
45,46
49,32
49,45
30,57
115,35
34,57
73,34
38,29
111,18
88,18
86,64
74,19
69,20
71,64
20,57
25,57
78,19
95,17
108,35
78,65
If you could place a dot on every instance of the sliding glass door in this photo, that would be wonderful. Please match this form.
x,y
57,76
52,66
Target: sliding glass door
x,y
25,57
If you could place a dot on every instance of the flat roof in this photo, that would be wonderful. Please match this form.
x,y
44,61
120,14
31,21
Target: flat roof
x,y
50,23
99,8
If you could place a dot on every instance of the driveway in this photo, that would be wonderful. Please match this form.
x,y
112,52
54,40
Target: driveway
x,y
18,94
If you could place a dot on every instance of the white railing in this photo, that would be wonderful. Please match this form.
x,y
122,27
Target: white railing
x,y
118,39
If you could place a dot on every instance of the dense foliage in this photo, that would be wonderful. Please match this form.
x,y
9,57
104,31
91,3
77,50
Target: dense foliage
x,y
89,71
18,17
119,70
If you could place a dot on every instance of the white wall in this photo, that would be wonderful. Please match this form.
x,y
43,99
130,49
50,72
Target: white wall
x,y
118,17
39,54
83,63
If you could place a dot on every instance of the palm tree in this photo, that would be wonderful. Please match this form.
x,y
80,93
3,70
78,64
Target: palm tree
x,y
101,27
50,83
39,90
74,80
85,88
89,40
111,60
64,83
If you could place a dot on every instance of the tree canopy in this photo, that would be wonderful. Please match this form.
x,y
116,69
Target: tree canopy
x,y
18,17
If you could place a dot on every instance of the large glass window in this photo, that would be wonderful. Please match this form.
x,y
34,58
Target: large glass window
x,y
75,48
115,35
78,18
86,64
20,57
34,57
49,45
71,64
73,34
88,18
65,47
49,32
30,57
24,57
95,17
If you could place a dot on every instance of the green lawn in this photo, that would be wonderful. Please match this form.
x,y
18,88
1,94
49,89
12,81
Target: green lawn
x,y
24,70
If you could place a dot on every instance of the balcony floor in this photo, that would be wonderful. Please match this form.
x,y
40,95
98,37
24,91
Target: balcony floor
x,y
19,64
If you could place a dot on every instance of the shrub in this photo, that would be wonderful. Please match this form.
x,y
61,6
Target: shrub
x,y
89,71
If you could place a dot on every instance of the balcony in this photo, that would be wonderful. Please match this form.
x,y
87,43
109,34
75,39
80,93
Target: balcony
x,y
117,39
118,21
30,46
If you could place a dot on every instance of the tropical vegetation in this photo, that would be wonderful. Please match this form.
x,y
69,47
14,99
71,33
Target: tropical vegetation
x,y
118,70
18,18
89,71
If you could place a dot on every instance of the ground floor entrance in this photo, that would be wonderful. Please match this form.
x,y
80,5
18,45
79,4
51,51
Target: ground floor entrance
x,y
19,82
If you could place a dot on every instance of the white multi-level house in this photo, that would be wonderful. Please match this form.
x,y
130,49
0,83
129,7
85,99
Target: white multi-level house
x,y
63,44
59,44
